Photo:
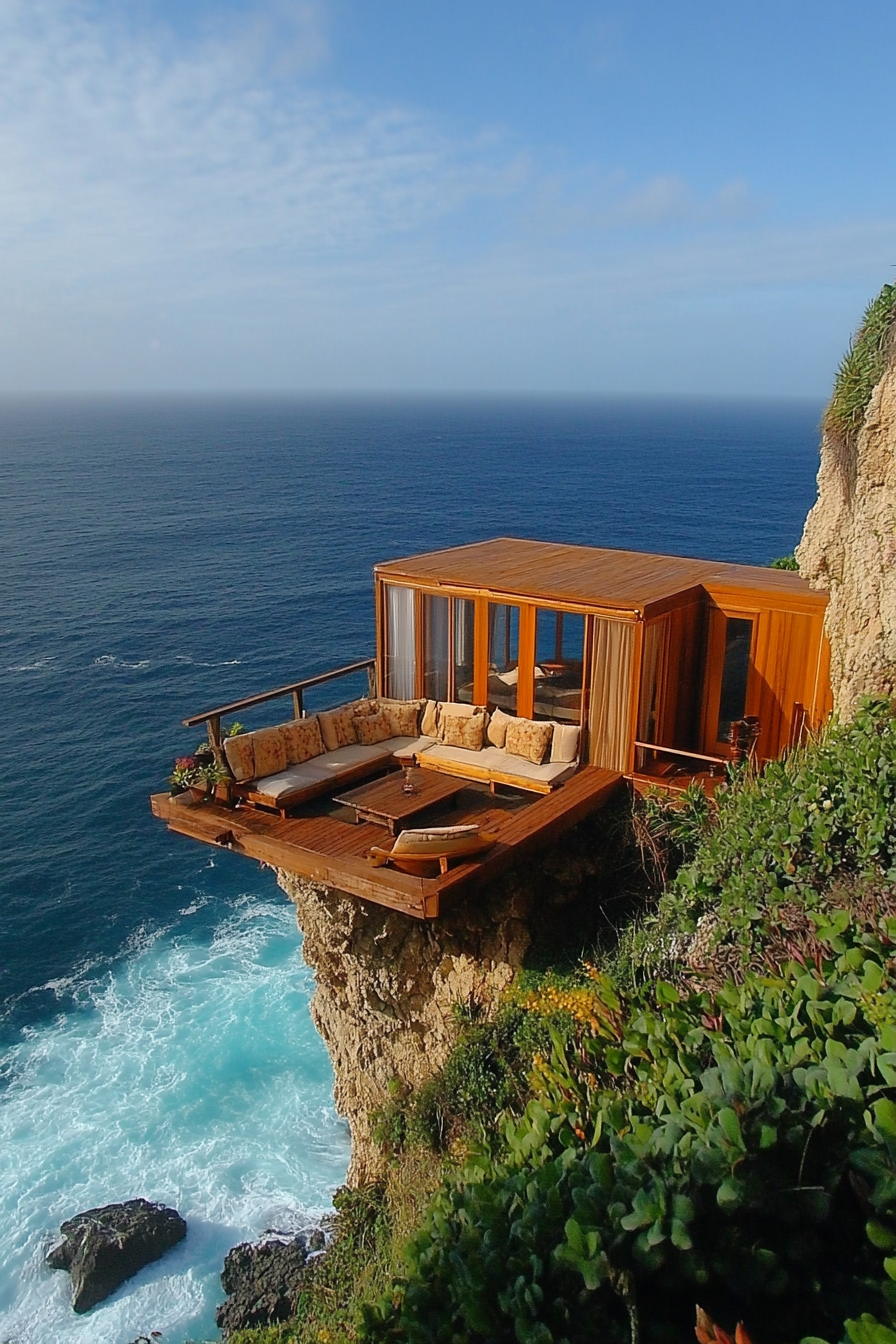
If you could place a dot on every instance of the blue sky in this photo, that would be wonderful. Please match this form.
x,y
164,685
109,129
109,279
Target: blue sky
x,y
402,195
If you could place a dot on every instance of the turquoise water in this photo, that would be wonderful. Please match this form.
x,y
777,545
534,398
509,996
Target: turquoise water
x,y
163,556
190,1073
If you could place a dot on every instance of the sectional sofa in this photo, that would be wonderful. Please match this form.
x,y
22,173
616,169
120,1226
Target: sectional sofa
x,y
293,762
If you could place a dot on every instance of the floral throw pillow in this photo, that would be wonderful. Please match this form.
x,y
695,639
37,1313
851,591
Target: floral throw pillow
x,y
466,731
373,728
528,739
402,716
337,727
270,752
302,739
240,753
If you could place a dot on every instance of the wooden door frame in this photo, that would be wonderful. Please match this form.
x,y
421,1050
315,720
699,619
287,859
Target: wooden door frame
x,y
713,666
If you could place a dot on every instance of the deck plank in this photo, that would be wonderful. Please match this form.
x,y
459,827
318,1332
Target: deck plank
x,y
331,850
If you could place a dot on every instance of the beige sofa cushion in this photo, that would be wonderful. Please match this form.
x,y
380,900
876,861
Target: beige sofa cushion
x,y
270,752
373,728
337,727
497,727
564,742
429,724
290,781
528,739
337,762
402,715
406,748
302,739
240,753
461,730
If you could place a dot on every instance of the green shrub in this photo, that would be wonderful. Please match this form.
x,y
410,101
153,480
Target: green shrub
x,y
784,562
779,840
738,1151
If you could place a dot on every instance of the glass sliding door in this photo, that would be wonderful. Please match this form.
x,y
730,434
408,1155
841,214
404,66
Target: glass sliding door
x,y
503,656
401,643
436,623
464,621
559,665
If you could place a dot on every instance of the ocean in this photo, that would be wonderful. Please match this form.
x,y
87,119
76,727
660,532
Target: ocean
x,y
163,555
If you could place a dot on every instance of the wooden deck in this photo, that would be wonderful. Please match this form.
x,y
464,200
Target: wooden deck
x,y
325,845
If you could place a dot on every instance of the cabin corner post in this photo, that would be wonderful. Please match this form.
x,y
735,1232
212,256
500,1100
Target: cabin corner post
x,y
635,696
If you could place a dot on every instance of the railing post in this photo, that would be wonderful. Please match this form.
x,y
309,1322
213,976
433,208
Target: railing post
x,y
371,683
213,732
298,703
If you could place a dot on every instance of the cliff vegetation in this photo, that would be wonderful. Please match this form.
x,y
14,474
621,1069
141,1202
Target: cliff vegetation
x,y
703,1114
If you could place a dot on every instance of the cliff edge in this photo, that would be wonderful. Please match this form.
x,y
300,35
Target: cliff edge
x,y
387,985
849,540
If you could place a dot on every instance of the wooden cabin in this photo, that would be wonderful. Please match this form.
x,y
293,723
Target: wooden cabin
x,y
654,655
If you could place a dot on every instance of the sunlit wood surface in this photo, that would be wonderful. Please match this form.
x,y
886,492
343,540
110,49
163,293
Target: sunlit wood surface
x,y
326,846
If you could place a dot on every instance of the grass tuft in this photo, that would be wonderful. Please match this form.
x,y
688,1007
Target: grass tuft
x,y
862,366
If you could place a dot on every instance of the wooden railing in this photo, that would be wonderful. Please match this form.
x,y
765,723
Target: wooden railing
x,y
212,717
686,755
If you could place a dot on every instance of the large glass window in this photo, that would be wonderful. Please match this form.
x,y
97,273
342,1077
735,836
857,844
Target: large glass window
x,y
559,665
436,615
401,646
464,630
735,671
503,656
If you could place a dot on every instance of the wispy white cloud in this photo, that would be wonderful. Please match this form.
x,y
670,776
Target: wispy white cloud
x,y
589,200
121,152
213,212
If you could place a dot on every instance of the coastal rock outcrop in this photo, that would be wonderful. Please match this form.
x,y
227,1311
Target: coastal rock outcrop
x,y
849,544
102,1247
263,1282
387,985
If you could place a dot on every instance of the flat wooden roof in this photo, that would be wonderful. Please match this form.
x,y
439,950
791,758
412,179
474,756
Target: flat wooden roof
x,y
627,581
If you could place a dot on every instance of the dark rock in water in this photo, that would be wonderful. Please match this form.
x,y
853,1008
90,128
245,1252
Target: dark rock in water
x,y
103,1247
262,1283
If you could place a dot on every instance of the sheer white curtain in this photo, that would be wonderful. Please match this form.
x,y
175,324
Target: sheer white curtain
x,y
609,720
401,643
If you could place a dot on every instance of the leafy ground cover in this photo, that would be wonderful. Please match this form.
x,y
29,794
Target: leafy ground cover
x,y
704,1114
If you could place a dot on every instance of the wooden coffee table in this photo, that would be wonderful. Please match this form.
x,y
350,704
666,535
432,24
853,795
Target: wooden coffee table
x,y
385,803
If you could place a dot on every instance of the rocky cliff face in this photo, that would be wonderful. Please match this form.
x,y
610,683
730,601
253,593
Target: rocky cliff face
x,y
386,984
849,547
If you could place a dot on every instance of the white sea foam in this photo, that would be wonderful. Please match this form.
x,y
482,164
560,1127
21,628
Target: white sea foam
x,y
191,1075
39,665
109,660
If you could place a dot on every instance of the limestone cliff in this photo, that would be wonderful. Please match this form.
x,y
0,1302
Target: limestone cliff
x,y
386,984
849,541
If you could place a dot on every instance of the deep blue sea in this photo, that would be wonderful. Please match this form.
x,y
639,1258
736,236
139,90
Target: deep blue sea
x,y
160,556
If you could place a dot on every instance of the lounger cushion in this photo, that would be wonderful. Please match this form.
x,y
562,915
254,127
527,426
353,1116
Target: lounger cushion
x,y
406,748
334,762
528,739
489,758
302,740
290,781
240,753
270,752
337,727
